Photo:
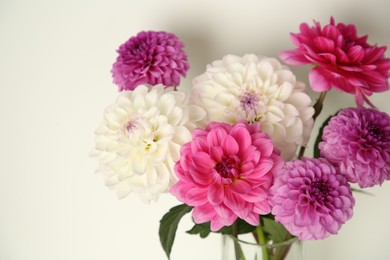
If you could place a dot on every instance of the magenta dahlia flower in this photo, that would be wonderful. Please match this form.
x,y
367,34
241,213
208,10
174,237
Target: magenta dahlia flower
x,y
311,198
343,60
358,141
225,173
150,58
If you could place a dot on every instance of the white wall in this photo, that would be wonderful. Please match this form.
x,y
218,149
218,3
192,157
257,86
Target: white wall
x,y
55,81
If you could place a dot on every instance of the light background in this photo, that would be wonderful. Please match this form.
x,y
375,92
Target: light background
x,y
55,81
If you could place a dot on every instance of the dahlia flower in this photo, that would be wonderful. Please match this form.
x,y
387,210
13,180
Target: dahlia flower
x,y
257,89
150,58
311,198
225,173
358,141
342,60
140,138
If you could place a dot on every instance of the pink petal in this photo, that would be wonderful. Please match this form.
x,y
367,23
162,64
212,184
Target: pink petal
x,y
375,78
242,136
294,39
341,83
324,44
180,189
329,57
262,207
359,97
198,144
204,213
240,187
230,145
251,156
233,201
355,54
319,79
215,136
224,212
202,162
342,57
200,177
294,57
216,194
331,32
260,170
255,195
217,224
196,196
247,167
253,219
373,54
306,30
216,153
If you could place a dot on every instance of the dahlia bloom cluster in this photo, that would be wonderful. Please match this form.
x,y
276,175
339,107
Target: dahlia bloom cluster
x,y
357,140
342,60
311,198
150,58
140,138
257,89
229,150
225,172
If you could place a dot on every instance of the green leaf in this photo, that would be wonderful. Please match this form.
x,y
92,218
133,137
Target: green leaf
x,y
276,231
242,228
319,138
362,191
202,229
168,226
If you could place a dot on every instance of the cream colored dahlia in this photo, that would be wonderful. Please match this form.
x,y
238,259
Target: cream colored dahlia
x,y
140,138
257,89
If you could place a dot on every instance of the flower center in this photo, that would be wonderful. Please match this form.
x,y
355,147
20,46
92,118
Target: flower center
x,y
131,126
137,48
227,168
319,191
249,102
375,132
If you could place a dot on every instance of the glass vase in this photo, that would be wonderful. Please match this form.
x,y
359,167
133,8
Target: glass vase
x,y
245,249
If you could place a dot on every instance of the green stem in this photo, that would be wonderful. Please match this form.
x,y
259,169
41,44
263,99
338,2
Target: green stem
x,y
317,110
237,249
262,241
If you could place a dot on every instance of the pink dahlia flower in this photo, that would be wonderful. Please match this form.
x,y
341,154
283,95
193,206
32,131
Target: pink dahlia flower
x,y
343,60
150,58
311,199
358,141
225,173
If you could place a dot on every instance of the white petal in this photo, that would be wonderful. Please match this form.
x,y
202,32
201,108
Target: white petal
x,y
122,189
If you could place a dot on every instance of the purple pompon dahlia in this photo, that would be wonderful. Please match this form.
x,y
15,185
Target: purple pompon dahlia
x,y
311,198
225,173
358,141
342,60
150,58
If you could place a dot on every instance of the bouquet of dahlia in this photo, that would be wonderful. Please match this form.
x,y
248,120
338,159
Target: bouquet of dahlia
x,y
233,150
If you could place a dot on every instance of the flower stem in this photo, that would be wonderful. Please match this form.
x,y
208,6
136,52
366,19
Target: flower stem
x,y
262,241
317,110
237,249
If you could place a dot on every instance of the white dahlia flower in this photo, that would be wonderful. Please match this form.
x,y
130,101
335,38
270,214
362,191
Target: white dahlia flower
x,y
140,139
257,89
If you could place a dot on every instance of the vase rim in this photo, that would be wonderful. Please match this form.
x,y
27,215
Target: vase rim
x,y
279,244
